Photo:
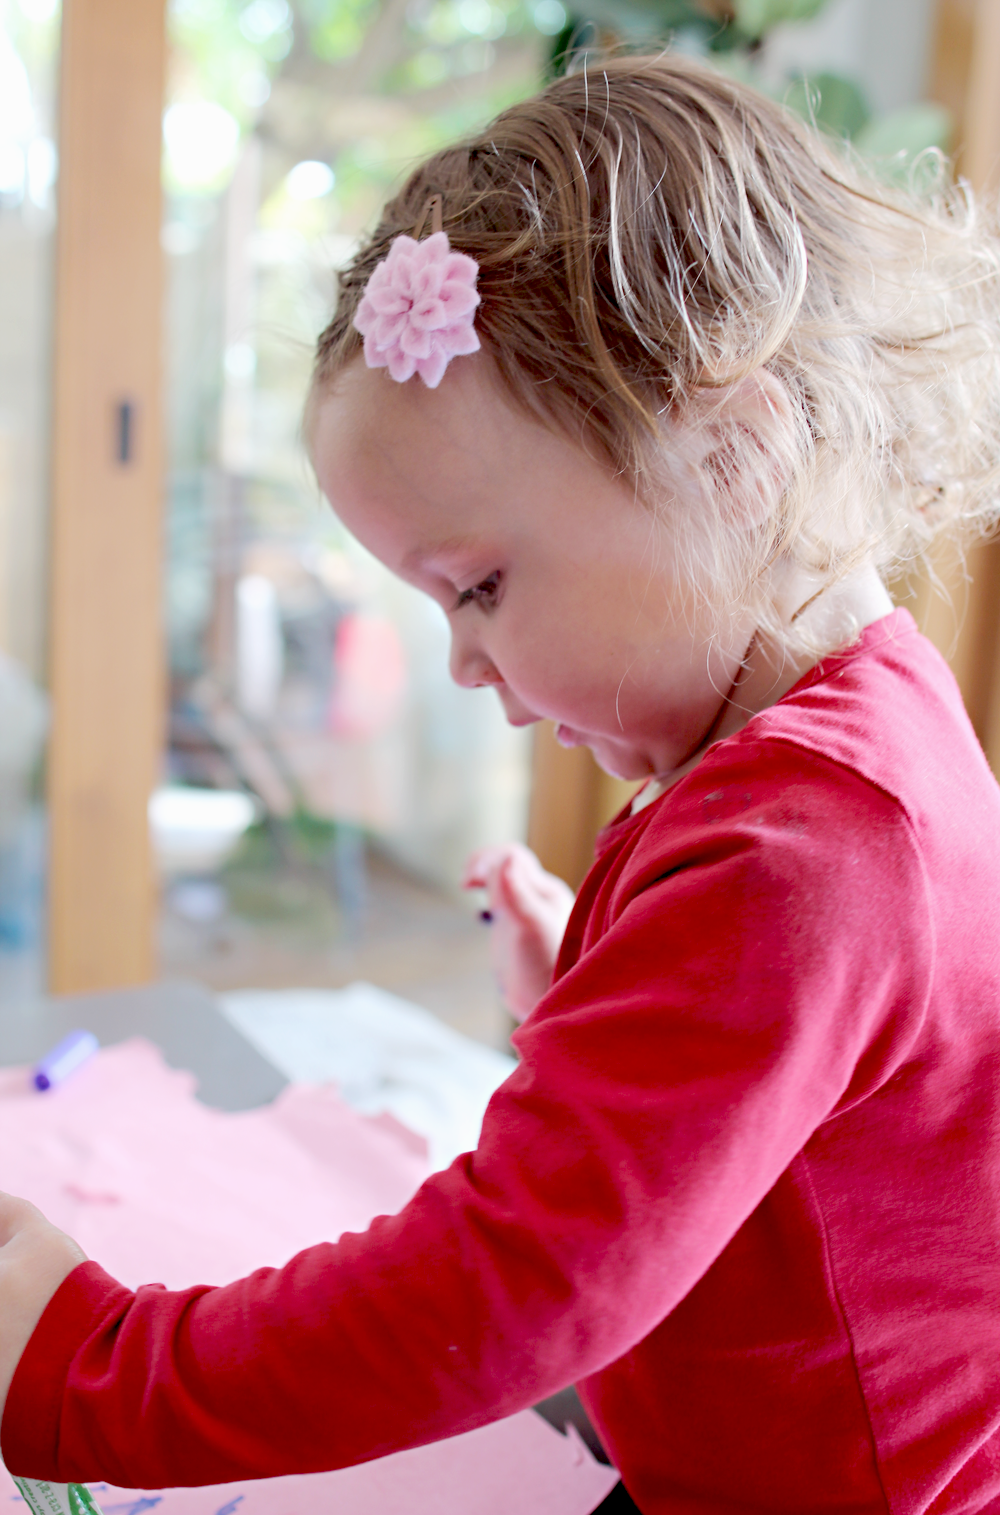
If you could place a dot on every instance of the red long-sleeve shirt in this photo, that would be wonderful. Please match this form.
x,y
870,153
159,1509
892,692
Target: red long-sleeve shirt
x,y
744,1186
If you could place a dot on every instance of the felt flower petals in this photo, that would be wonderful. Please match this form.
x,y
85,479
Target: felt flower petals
x,y
417,311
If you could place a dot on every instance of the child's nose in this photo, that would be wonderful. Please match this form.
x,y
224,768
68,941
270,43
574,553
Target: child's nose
x,y
470,667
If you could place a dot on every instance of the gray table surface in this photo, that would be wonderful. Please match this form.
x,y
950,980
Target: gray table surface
x,y
184,1021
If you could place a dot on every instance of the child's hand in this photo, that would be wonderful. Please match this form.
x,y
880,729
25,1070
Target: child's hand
x,y
530,909
34,1260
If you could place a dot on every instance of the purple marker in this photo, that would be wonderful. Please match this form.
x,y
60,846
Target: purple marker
x,y
64,1059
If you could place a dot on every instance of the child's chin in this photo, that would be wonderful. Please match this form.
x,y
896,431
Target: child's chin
x,y
566,736
620,765
617,762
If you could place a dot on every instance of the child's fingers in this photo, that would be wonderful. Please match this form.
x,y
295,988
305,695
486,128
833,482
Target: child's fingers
x,y
516,889
535,886
516,882
480,866
484,865
557,892
505,892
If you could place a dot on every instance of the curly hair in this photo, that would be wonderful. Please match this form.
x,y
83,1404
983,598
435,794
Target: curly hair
x,y
651,234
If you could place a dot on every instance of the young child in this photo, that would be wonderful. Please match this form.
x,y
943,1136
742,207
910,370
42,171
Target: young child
x,y
654,388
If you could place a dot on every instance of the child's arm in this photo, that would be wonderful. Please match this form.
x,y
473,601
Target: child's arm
x,y
530,909
682,1063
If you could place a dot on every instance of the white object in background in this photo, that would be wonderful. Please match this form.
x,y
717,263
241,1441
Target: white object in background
x,y
196,830
260,652
200,900
382,1052
201,141
310,180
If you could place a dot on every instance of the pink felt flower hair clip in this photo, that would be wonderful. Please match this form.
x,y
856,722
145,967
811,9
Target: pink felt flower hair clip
x,y
418,307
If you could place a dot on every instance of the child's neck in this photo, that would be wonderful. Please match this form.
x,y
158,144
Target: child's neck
x,y
837,615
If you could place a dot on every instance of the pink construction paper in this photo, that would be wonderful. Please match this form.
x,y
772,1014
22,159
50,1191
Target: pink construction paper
x,y
158,1188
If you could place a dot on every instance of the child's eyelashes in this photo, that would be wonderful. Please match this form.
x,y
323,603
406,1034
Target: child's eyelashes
x,y
483,593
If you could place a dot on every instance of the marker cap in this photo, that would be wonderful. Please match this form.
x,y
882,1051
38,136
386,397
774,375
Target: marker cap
x,y
64,1059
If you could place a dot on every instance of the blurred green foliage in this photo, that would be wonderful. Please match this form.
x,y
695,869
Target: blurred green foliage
x,y
216,41
441,55
909,131
756,17
282,874
733,34
212,57
695,25
894,142
365,85
835,104
336,30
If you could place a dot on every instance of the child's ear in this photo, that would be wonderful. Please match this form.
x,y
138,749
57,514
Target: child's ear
x,y
740,443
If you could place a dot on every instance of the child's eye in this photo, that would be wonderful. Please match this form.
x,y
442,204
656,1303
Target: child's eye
x,y
484,593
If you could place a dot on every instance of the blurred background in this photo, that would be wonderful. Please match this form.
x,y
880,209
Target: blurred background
x,y
229,747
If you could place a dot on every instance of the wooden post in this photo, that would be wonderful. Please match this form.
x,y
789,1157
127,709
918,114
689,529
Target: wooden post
x,y
105,635
571,799
965,622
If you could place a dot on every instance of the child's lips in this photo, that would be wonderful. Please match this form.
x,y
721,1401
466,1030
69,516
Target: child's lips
x,y
567,737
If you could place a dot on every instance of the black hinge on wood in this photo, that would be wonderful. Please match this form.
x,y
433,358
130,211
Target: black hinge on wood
x,y
124,431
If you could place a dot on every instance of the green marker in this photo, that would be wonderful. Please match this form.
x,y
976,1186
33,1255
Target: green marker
x,y
57,1498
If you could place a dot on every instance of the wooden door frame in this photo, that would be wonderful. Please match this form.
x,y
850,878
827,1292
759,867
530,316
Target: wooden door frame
x,y
962,616
105,636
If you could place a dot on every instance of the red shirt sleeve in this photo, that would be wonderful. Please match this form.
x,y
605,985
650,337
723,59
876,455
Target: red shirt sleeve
x,y
761,969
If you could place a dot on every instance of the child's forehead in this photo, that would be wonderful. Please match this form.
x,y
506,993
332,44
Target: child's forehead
x,y
369,397
452,462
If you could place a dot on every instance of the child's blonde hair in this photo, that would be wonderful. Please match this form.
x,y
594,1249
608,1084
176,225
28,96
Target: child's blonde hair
x,y
650,235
